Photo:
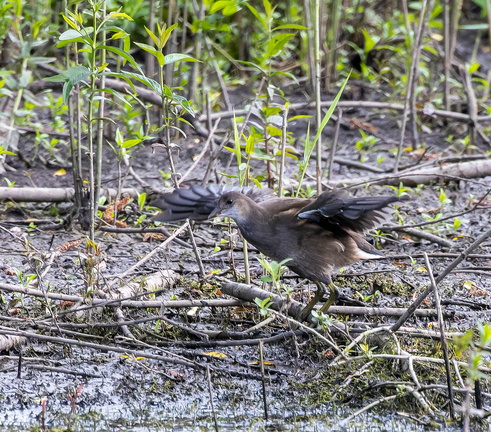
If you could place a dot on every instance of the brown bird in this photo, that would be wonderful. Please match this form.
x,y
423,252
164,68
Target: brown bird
x,y
317,235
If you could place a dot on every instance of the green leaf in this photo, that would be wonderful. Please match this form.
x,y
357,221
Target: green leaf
x,y
6,152
269,111
291,26
480,26
218,5
310,147
71,35
116,94
285,74
250,145
152,35
268,9
258,16
175,57
156,53
369,41
154,85
131,143
473,67
70,77
230,10
120,15
128,57
165,35
72,23
119,35
70,73
254,65
122,76
485,334
184,103
302,116
276,44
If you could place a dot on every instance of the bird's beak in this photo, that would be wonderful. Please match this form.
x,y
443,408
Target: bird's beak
x,y
215,213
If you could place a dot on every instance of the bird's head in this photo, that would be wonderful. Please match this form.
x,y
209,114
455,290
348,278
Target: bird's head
x,y
233,205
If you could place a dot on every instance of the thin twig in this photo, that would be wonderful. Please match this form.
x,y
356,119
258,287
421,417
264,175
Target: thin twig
x,y
169,357
345,421
443,339
284,126
334,145
149,255
310,330
263,380
210,392
483,237
203,152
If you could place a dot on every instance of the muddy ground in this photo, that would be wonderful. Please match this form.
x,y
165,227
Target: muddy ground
x,y
62,386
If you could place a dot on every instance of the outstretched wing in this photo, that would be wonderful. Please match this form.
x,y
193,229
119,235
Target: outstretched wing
x,y
336,209
198,202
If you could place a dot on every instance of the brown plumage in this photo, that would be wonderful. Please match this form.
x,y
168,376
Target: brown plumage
x,y
318,235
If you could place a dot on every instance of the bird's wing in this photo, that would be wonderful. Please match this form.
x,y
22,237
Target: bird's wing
x,y
333,210
198,202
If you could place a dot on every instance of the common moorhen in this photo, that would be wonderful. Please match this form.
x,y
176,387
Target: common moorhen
x,y
318,235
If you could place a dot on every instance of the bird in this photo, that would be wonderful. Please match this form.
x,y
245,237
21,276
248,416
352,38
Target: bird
x,y
315,235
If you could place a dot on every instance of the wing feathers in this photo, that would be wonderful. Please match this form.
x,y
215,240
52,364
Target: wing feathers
x,y
198,202
335,209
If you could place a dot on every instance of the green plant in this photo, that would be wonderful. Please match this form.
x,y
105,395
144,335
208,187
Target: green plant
x,y
274,270
475,345
400,190
310,145
365,144
443,198
9,183
93,34
142,199
265,139
25,39
23,278
322,320
264,305
172,103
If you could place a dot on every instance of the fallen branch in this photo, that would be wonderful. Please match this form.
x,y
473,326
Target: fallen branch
x,y
445,172
249,293
168,358
44,194
153,304
9,342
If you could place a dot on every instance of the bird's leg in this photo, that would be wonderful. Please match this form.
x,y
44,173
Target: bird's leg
x,y
333,296
313,301
321,290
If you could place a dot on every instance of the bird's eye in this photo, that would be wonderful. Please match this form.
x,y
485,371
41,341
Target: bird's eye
x,y
230,201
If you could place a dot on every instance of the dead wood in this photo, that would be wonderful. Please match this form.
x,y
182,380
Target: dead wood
x,y
45,194
444,172
249,293
8,342
151,304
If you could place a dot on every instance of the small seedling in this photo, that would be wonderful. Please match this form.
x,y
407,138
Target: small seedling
x,y
322,320
263,305
400,190
9,183
444,199
274,270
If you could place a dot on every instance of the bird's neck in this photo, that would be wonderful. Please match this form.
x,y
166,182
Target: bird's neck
x,y
251,221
